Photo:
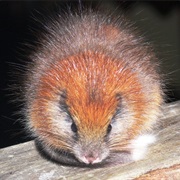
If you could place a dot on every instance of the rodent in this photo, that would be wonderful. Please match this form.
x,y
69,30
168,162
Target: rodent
x,y
92,90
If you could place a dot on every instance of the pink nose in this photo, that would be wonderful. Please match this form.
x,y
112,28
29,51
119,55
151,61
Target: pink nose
x,y
90,159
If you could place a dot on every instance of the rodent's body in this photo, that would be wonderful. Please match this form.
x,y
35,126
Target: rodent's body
x,y
93,90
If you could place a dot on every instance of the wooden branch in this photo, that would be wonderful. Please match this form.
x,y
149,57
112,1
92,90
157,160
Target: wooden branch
x,y
162,161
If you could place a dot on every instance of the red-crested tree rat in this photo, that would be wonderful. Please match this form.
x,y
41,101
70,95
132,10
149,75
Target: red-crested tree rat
x,y
93,91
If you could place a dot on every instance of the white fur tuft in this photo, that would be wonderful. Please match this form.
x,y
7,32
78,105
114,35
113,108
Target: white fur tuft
x,y
140,144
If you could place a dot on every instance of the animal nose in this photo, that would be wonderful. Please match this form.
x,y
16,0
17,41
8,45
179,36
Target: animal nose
x,y
90,159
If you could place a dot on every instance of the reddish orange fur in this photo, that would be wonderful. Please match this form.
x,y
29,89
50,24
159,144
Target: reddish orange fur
x,y
92,112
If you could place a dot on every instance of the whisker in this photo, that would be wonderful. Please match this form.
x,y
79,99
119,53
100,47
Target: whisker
x,y
119,146
55,136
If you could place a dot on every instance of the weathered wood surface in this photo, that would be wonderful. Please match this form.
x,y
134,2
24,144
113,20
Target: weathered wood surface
x,y
162,162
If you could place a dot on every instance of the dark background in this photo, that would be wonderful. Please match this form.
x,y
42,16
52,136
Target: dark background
x,y
159,22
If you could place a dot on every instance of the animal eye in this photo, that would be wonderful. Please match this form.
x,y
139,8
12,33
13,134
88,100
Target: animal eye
x,y
109,129
74,127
